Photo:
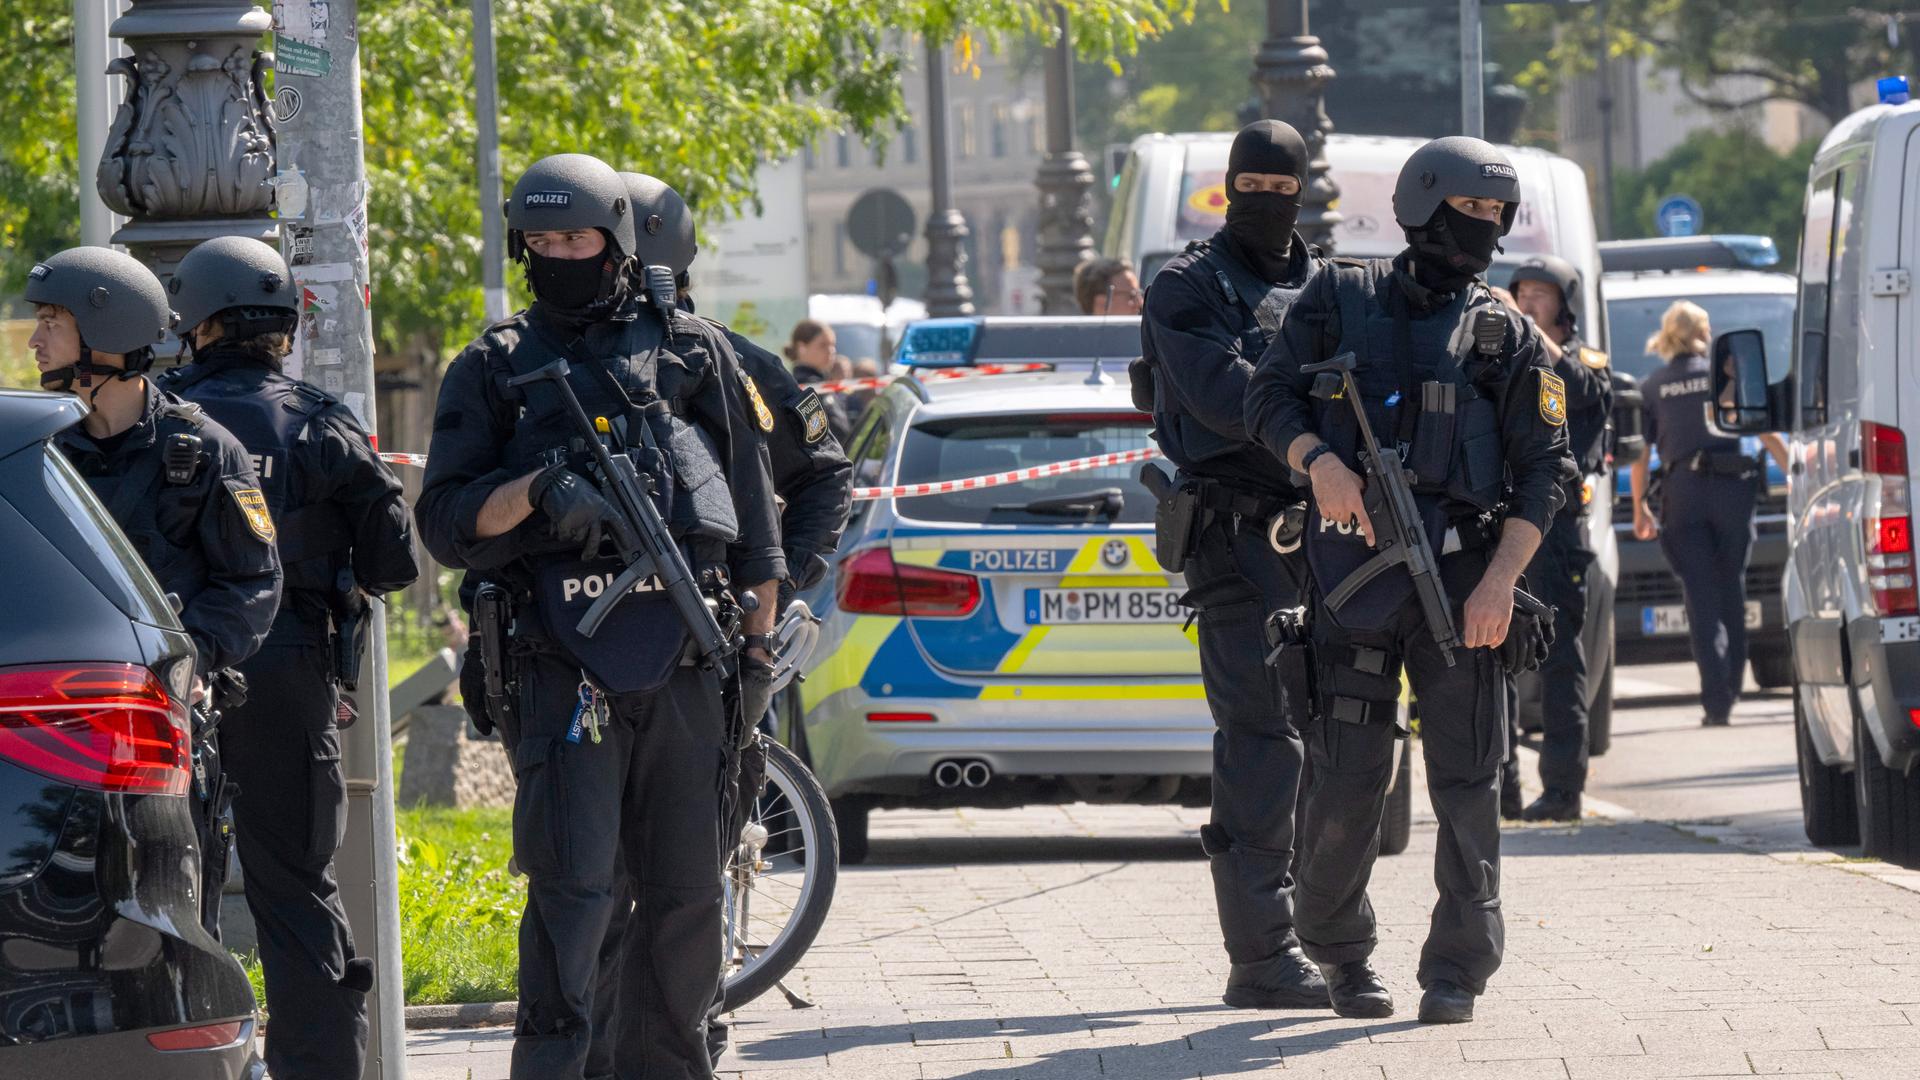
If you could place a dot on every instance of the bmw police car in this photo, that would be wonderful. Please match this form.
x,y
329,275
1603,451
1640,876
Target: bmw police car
x,y
1003,645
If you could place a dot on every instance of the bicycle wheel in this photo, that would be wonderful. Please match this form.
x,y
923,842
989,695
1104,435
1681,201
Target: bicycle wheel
x,y
779,879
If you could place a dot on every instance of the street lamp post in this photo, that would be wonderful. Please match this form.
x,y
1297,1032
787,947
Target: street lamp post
x,y
1066,185
1291,72
947,290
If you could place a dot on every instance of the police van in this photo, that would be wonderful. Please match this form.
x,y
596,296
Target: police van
x,y
1845,403
1172,191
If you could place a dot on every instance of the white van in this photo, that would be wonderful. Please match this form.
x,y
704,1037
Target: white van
x,y
1853,615
1172,191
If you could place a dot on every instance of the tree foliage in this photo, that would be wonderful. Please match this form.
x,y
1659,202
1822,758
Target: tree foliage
x,y
697,92
1762,195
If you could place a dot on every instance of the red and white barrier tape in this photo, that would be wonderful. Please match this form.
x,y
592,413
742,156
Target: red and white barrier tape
x,y
938,375
944,487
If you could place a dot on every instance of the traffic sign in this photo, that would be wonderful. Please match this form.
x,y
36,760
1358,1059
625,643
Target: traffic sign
x,y
880,223
1678,215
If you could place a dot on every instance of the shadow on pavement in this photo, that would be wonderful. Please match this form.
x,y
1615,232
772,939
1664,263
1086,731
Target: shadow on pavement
x,y
962,850
1719,779
1674,700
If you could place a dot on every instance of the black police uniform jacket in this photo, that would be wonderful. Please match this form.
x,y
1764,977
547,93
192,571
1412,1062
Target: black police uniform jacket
x,y
811,472
712,476
1208,318
1507,455
207,535
337,508
1589,383
839,421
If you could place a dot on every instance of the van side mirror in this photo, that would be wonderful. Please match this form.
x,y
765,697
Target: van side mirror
x,y
1628,419
1740,404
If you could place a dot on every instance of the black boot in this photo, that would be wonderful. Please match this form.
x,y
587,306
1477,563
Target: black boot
x,y
1283,981
1510,790
1556,804
1446,1003
1356,991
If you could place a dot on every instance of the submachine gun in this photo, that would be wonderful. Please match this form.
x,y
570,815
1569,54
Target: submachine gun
x,y
1400,536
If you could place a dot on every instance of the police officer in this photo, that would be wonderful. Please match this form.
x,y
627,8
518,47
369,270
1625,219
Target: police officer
x,y
1209,315
618,739
1488,408
343,533
1546,288
178,484
1708,491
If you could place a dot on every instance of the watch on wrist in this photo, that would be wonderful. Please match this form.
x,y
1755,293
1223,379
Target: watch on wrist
x,y
1313,455
758,641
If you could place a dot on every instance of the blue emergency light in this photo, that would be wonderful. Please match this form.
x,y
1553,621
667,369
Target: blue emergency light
x,y
937,343
1893,90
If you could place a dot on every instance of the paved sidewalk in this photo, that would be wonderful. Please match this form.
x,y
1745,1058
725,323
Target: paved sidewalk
x,y
1080,942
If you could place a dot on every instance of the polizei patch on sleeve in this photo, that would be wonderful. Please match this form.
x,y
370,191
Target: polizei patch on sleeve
x,y
812,413
761,414
548,198
253,507
1495,168
1553,399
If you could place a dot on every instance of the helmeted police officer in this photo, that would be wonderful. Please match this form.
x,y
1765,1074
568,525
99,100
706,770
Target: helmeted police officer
x,y
1209,315
1547,289
618,738
343,533
1468,402
178,484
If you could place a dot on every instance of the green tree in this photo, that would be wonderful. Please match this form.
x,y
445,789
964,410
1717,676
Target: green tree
x,y
694,91
1740,182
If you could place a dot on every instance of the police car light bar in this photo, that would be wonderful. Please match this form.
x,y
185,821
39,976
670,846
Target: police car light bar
x,y
1051,339
1720,252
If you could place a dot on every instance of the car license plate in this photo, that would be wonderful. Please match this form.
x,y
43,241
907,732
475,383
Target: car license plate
x,y
1046,607
1662,619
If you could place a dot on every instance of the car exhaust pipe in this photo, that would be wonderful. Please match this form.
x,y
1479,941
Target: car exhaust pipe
x,y
977,774
948,775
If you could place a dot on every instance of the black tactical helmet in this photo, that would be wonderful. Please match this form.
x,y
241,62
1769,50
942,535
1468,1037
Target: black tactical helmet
x,y
663,225
570,191
238,274
1455,165
1559,273
116,301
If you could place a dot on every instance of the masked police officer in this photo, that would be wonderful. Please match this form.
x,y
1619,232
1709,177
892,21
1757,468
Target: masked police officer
x,y
1209,315
178,484
1546,288
618,738
343,533
1488,409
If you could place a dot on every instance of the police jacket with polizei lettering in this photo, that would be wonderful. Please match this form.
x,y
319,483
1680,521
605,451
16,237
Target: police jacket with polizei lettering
x,y
336,506
811,472
1676,425
208,541
1207,320
486,433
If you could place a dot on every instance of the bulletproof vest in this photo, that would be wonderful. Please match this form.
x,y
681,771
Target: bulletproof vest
x,y
272,417
138,499
1443,422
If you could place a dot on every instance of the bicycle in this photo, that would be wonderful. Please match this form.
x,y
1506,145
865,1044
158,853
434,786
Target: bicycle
x,y
778,880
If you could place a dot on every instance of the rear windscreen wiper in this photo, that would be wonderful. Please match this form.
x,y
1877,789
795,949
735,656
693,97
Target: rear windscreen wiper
x,y
1105,502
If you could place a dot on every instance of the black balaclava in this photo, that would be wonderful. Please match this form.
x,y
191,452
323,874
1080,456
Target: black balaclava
x,y
1260,223
579,288
1453,248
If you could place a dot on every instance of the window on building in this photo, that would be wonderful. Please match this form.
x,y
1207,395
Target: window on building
x,y
843,150
1001,119
965,140
909,144
806,156
840,250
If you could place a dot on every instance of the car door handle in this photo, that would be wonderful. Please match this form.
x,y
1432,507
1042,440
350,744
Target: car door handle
x,y
1796,468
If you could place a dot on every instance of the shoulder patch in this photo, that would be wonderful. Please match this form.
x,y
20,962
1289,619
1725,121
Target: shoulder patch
x,y
761,414
253,507
1593,358
1553,398
812,413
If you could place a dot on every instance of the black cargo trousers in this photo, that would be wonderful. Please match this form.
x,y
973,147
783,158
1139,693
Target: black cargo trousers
x,y
1558,576
282,749
1235,579
1463,734
633,820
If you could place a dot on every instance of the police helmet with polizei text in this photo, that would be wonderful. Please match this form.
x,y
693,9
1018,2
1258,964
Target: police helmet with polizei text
x,y
242,281
570,191
118,307
1561,274
1455,165
663,224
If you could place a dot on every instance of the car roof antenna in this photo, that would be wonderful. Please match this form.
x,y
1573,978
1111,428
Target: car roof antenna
x,y
1099,376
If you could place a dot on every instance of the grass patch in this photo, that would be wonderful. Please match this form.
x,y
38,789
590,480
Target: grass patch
x,y
459,909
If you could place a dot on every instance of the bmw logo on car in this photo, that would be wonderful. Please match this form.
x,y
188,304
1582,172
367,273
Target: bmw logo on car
x,y
1114,554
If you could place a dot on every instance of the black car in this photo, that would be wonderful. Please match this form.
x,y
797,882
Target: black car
x,y
105,967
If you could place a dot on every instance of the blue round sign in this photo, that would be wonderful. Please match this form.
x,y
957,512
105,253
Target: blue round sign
x,y
1678,215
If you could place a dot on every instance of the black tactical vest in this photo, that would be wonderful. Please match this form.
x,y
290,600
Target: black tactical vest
x,y
158,515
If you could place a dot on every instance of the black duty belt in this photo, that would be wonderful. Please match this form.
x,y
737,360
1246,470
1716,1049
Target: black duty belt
x,y
1722,463
1221,499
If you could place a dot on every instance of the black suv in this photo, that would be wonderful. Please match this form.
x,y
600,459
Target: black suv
x,y
105,969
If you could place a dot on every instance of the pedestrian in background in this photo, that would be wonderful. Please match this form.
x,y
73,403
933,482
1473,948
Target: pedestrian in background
x,y
1104,286
810,349
1700,503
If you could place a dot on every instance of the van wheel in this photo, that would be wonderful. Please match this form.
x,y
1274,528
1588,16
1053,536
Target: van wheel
x,y
1772,670
850,818
1826,796
1888,804
1600,716
1396,825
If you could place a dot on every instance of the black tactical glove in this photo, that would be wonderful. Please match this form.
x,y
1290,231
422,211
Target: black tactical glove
x,y
473,687
756,695
576,510
1529,636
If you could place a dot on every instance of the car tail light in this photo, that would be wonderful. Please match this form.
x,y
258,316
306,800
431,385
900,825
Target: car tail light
x,y
105,727
899,718
1889,533
871,583
204,1037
